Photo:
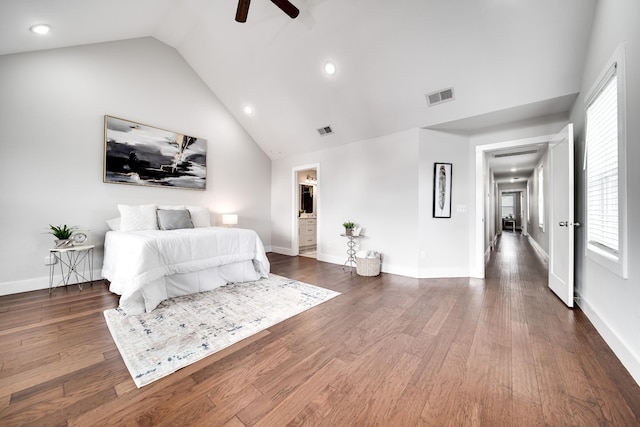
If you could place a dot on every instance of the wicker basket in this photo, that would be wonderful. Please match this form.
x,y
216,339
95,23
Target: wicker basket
x,y
368,266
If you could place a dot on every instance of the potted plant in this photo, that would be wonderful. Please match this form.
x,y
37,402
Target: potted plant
x,y
348,228
63,235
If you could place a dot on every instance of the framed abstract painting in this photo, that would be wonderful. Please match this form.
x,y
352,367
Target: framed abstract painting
x,y
144,155
442,190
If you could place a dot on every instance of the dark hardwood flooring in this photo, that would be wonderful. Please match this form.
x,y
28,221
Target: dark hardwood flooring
x,y
390,351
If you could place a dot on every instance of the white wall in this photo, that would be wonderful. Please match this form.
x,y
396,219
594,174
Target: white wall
x,y
373,183
540,235
444,241
386,186
51,116
610,302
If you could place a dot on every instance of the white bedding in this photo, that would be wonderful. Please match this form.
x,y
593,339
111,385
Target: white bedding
x,y
147,267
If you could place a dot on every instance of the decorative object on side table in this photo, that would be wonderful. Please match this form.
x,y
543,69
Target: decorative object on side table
x,y
81,237
348,228
63,235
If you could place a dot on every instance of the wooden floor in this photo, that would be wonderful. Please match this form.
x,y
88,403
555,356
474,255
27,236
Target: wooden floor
x,y
390,351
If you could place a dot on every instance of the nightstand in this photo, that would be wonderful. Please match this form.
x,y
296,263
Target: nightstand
x,y
73,262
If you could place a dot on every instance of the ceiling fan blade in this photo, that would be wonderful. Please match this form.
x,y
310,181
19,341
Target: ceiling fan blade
x,y
243,10
287,8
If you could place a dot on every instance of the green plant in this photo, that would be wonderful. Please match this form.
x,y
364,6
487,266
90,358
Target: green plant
x,y
61,232
348,225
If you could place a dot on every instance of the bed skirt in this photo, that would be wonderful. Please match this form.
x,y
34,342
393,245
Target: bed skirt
x,y
178,284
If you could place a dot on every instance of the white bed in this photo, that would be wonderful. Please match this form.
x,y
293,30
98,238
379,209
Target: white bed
x,y
148,266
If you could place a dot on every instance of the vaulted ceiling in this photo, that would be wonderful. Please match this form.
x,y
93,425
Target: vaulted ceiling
x,y
506,59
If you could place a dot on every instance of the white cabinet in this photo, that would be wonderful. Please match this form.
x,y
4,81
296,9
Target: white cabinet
x,y
306,232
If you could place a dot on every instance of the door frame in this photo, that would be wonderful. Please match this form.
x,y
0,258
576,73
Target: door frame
x,y
519,193
478,248
295,191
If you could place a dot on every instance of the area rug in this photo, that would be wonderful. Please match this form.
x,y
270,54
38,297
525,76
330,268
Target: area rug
x,y
183,330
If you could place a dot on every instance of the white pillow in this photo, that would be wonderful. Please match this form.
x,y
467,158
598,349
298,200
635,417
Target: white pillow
x,y
199,216
114,224
142,217
172,207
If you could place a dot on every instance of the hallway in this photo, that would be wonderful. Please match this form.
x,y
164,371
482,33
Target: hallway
x,y
559,363
514,252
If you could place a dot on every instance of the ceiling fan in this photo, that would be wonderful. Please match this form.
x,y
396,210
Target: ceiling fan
x,y
284,5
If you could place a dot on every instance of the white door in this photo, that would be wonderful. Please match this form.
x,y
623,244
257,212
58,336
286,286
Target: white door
x,y
561,220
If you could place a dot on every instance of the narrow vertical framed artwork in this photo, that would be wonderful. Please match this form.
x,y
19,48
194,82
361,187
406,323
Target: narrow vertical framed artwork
x,y
442,173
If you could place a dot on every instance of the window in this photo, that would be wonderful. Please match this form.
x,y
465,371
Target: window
x,y
541,198
604,164
507,206
528,200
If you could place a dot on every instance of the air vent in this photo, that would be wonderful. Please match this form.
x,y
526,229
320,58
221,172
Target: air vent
x,y
325,131
518,153
440,96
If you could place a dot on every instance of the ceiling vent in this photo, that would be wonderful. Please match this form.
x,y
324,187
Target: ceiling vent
x,y
440,96
324,131
518,153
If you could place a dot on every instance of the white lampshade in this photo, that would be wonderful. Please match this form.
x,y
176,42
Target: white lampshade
x,y
230,219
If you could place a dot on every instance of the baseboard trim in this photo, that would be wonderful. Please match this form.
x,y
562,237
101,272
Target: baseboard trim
x,y
35,284
538,248
623,352
443,273
385,267
280,250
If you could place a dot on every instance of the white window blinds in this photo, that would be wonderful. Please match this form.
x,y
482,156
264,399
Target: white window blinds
x,y
507,206
541,197
602,167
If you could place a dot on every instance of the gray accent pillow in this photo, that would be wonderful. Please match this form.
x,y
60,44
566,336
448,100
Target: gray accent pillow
x,y
173,219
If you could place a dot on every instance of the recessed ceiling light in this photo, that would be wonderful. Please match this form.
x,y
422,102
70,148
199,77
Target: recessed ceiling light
x,y
248,110
513,169
40,29
330,68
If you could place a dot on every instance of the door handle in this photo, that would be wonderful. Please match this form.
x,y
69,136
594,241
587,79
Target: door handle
x,y
568,224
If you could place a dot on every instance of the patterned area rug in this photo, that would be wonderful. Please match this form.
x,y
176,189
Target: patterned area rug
x,y
183,330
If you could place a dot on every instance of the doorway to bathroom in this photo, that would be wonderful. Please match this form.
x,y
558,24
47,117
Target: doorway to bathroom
x,y
307,206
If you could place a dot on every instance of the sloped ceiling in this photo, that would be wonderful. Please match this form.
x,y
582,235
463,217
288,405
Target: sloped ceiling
x,y
499,55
